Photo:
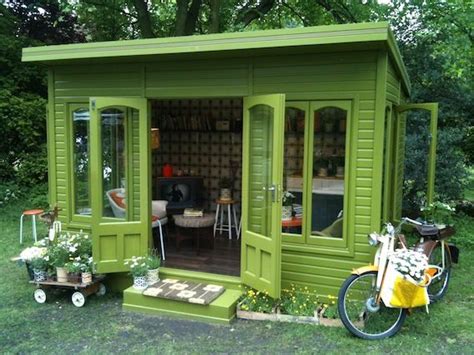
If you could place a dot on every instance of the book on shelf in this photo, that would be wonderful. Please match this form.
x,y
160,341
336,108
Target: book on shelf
x,y
193,212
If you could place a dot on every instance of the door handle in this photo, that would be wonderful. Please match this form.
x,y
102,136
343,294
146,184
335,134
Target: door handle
x,y
273,190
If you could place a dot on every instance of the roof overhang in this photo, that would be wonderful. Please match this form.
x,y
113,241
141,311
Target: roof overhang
x,y
375,33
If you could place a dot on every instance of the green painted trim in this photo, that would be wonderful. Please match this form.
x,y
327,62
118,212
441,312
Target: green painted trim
x,y
263,244
431,107
331,34
386,215
116,231
291,237
379,140
345,245
51,141
221,310
72,217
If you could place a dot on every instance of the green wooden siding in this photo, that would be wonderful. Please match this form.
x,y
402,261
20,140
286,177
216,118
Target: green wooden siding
x,y
393,84
308,76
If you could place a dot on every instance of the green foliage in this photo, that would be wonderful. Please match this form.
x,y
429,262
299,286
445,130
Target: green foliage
x,y
138,266
298,301
153,260
438,212
464,236
256,301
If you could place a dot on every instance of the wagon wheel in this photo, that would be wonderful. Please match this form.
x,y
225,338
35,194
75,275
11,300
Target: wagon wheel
x,y
40,295
78,299
102,290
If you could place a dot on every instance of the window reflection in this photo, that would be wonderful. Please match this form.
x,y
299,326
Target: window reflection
x,y
80,127
113,162
328,172
292,201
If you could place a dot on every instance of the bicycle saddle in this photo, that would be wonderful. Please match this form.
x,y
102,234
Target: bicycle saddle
x,y
427,230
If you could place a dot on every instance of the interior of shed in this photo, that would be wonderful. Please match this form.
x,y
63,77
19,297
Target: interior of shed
x,y
197,149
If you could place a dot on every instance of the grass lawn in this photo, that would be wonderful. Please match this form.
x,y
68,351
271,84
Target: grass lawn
x,y
102,327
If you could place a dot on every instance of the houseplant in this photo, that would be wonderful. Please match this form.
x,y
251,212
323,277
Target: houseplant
x,y
59,256
138,269
225,184
74,269
87,269
439,213
287,206
153,262
40,267
28,255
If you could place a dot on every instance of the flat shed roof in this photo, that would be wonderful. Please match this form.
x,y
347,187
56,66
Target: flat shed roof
x,y
378,32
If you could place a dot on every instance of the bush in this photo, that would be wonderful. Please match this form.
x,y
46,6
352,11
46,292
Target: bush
x,y
451,171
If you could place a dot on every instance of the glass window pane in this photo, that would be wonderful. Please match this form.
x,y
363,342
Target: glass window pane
x,y
260,168
292,201
328,172
80,127
113,162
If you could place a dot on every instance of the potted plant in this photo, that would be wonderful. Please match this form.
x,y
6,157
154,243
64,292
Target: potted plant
x,y
28,255
225,184
40,267
59,255
153,262
74,269
438,213
87,269
287,206
138,269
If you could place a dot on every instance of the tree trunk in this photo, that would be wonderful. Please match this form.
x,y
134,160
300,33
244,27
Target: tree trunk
x,y
144,21
215,16
192,17
181,14
259,11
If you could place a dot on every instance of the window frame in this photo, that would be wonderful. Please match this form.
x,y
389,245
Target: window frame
x,y
73,216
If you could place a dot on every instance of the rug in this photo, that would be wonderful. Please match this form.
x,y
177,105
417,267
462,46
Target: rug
x,y
185,291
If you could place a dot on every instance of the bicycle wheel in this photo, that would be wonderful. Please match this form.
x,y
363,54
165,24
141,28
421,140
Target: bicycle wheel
x,y
359,312
439,284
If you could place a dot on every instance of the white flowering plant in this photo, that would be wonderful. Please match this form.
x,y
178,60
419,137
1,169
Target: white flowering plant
x,y
410,263
69,246
138,266
31,253
288,198
438,212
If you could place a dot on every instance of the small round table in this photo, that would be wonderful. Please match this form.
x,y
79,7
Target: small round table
x,y
195,224
291,223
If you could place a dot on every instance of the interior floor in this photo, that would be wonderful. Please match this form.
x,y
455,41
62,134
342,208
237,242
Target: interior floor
x,y
224,258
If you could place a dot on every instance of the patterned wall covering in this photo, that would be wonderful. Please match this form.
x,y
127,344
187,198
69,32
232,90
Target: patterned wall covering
x,y
190,142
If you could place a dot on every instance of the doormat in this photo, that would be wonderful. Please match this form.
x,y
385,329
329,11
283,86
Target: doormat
x,y
185,291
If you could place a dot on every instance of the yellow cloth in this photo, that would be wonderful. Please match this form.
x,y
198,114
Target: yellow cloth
x,y
408,295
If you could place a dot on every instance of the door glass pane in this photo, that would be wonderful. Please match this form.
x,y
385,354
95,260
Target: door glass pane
x,y
328,172
80,127
292,209
260,168
113,162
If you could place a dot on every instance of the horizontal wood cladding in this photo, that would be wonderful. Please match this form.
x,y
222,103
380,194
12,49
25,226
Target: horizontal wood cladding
x,y
321,76
197,79
393,84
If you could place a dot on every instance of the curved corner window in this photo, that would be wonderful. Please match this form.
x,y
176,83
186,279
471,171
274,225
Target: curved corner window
x,y
329,170
80,151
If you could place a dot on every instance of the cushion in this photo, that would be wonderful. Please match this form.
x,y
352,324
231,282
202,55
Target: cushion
x,y
195,222
158,208
118,198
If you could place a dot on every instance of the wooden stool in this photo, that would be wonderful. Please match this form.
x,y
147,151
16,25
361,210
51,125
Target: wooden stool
x,y
219,222
32,213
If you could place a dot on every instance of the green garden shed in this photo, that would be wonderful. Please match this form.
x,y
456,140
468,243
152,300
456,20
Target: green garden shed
x,y
312,118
